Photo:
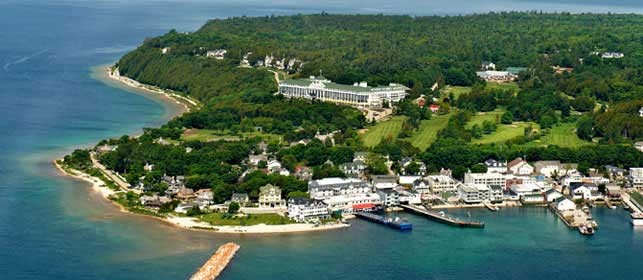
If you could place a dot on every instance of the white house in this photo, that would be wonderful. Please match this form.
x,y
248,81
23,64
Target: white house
x,y
488,65
217,54
609,55
304,210
476,193
349,203
636,177
563,204
520,167
495,166
548,168
551,195
270,197
408,180
442,183
488,179
581,191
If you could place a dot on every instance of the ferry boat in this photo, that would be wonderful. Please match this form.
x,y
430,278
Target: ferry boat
x,y
637,219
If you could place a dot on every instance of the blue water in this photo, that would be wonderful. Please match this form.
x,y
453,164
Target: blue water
x,y
52,227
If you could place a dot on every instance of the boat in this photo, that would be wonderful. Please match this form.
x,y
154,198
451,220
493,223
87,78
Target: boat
x,y
586,229
637,219
396,223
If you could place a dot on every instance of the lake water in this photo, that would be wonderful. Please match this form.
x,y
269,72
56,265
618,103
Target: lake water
x,y
52,227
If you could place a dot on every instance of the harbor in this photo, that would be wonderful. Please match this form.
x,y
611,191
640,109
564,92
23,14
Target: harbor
x,y
396,223
213,267
442,217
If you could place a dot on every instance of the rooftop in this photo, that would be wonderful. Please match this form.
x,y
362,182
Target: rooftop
x,y
325,83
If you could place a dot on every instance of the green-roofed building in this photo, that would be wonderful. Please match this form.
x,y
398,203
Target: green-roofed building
x,y
516,70
358,94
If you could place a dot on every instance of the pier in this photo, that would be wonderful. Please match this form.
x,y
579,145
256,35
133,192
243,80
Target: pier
x,y
442,218
396,223
211,269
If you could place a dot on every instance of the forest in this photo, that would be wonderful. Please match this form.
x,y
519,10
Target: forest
x,y
596,100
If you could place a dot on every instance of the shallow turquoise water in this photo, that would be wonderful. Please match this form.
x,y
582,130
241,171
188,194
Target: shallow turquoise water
x,y
52,227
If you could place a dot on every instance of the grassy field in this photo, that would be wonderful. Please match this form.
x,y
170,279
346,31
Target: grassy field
x,y
504,86
206,135
428,131
218,219
381,130
505,132
479,118
456,90
562,135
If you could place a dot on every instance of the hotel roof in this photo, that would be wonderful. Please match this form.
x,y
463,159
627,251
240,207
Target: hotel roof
x,y
328,84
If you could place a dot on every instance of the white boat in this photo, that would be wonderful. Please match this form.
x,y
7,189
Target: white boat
x,y
637,219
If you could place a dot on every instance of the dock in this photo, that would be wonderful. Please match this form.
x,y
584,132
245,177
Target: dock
x,y
211,269
442,218
395,223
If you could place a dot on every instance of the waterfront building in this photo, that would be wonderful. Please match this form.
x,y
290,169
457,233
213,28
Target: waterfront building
x,y
409,197
487,179
384,181
520,167
563,204
358,95
389,197
421,186
496,193
474,193
636,177
241,198
353,202
302,210
204,197
613,191
270,197
551,195
442,183
329,187
494,166
615,172
587,191
532,199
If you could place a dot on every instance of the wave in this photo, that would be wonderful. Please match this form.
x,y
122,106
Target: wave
x,y
23,59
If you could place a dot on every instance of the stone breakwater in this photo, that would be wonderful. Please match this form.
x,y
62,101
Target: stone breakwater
x,y
211,269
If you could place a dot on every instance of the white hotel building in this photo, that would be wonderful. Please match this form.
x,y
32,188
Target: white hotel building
x,y
358,95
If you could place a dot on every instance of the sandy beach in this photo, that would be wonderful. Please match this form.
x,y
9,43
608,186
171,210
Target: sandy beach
x,y
97,184
112,77
191,223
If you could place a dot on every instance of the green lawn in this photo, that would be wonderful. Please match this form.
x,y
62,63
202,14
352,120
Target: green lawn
x,y
389,128
479,118
456,90
428,131
562,135
505,132
504,86
218,219
206,135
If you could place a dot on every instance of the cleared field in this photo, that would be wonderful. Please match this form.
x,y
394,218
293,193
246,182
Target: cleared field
x,y
503,86
456,90
207,135
381,130
505,132
563,135
428,131
479,118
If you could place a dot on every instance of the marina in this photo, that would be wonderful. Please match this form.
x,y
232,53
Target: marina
x,y
396,223
442,217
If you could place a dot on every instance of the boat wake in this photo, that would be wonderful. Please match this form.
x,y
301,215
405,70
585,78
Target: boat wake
x,y
23,59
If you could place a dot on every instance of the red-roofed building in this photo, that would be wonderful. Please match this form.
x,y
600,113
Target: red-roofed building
x,y
367,207
434,108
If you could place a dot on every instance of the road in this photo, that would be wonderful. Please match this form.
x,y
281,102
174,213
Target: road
x,y
110,174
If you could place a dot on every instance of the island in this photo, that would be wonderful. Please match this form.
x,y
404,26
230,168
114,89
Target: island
x,y
297,123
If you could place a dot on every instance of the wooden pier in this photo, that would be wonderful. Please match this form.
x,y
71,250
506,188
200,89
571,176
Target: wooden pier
x,y
211,269
442,218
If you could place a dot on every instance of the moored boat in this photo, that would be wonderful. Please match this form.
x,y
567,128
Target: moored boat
x,y
637,219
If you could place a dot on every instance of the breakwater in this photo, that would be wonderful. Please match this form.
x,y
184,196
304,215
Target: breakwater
x,y
217,263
